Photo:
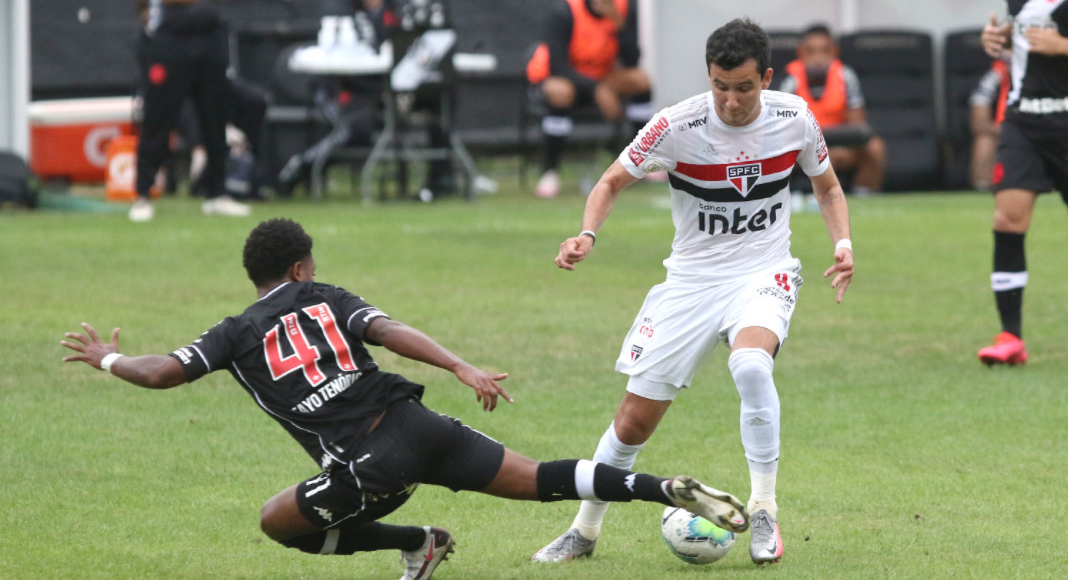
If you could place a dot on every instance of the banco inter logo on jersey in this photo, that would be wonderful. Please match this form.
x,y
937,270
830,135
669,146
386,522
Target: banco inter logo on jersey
x,y
744,177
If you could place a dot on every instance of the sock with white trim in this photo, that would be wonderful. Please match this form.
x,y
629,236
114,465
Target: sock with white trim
x,y
610,451
1009,279
584,479
347,539
555,127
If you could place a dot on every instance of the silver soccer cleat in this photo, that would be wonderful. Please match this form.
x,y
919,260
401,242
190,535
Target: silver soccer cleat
x,y
569,546
718,507
420,564
765,541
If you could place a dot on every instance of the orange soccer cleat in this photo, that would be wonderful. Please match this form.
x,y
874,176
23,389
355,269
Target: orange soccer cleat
x,y
1008,349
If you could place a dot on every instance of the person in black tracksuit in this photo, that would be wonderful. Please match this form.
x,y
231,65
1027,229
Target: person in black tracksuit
x,y
186,55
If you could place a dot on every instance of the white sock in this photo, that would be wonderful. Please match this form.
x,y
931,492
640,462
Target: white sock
x,y
752,371
610,451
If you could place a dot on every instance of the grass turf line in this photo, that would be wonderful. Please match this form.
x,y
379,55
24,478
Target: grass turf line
x,y
903,457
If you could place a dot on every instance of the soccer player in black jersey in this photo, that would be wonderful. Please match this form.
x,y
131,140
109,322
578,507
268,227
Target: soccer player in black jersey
x,y
1032,157
299,351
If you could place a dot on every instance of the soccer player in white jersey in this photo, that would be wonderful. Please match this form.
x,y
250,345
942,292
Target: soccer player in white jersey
x,y
729,154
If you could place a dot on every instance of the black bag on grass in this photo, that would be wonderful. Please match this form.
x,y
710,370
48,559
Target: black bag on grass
x,y
16,181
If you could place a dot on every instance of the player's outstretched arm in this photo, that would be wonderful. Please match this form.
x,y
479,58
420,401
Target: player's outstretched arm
x,y
835,212
411,343
598,206
149,371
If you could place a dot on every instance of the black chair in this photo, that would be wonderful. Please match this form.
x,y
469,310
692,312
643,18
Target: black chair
x,y
783,52
965,64
896,71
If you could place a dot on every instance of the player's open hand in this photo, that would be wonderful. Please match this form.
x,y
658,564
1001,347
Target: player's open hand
x,y
485,385
91,350
996,36
843,266
1046,41
573,251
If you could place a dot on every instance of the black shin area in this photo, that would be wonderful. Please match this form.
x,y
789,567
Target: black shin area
x,y
1010,274
345,539
615,484
556,480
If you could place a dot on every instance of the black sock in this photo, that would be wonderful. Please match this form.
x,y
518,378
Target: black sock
x,y
555,128
345,539
552,152
561,480
1009,279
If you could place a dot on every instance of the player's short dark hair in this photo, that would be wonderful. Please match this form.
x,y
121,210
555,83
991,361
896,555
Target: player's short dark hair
x,y
818,28
737,41
272,247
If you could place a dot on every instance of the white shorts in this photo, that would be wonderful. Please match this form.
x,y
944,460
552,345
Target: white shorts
x,y
680,325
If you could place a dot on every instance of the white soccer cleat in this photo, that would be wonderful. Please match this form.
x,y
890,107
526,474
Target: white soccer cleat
x,y
420,564
718,507
548,185
765,541
141,210
225,205
569,546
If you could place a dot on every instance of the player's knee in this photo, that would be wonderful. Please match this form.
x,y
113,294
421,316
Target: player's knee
x,y
269,522
633,430
1011,219
752,371
558,92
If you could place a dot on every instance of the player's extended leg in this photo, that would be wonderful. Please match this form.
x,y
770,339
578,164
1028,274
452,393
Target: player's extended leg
x,y
1012,218
423,547
751,363
522,478
635,420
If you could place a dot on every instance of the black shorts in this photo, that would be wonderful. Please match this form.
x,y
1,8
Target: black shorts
x,y
411,445
1032,159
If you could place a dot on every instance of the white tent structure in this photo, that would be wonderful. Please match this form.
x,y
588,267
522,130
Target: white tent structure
x,y
15,76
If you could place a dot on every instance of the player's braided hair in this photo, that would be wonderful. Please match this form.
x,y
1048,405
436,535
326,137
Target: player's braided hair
x,y
737,41
272,247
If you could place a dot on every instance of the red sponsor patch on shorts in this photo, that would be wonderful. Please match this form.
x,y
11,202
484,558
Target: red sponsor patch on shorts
x,y
157,74
999,172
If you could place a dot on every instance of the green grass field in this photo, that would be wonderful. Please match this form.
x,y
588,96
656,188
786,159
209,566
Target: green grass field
x,y
903,457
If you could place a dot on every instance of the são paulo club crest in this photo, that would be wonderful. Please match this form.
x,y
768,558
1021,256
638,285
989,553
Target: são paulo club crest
x,y
744,177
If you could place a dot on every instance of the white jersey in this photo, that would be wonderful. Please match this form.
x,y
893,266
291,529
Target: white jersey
x,y
730,195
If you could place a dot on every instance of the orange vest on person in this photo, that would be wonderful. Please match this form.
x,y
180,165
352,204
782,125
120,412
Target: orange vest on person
x,y
1002,69
594,45
830,109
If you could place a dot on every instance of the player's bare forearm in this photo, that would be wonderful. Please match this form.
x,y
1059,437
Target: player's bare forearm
x,y
603,196
149,371
833,207
411,343
598,206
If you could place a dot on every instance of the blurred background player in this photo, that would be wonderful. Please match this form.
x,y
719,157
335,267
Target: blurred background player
x,y
367,429
1032,157
589,55
987,105
187,53
729,155
832,90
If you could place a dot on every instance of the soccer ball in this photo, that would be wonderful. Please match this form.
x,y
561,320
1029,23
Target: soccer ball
x,y
694,539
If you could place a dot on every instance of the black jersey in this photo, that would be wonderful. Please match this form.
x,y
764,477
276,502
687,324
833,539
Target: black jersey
x,y
1039,95
299,351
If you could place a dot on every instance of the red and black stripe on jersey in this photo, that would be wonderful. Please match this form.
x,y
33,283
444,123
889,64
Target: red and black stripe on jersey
x,y
299,352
